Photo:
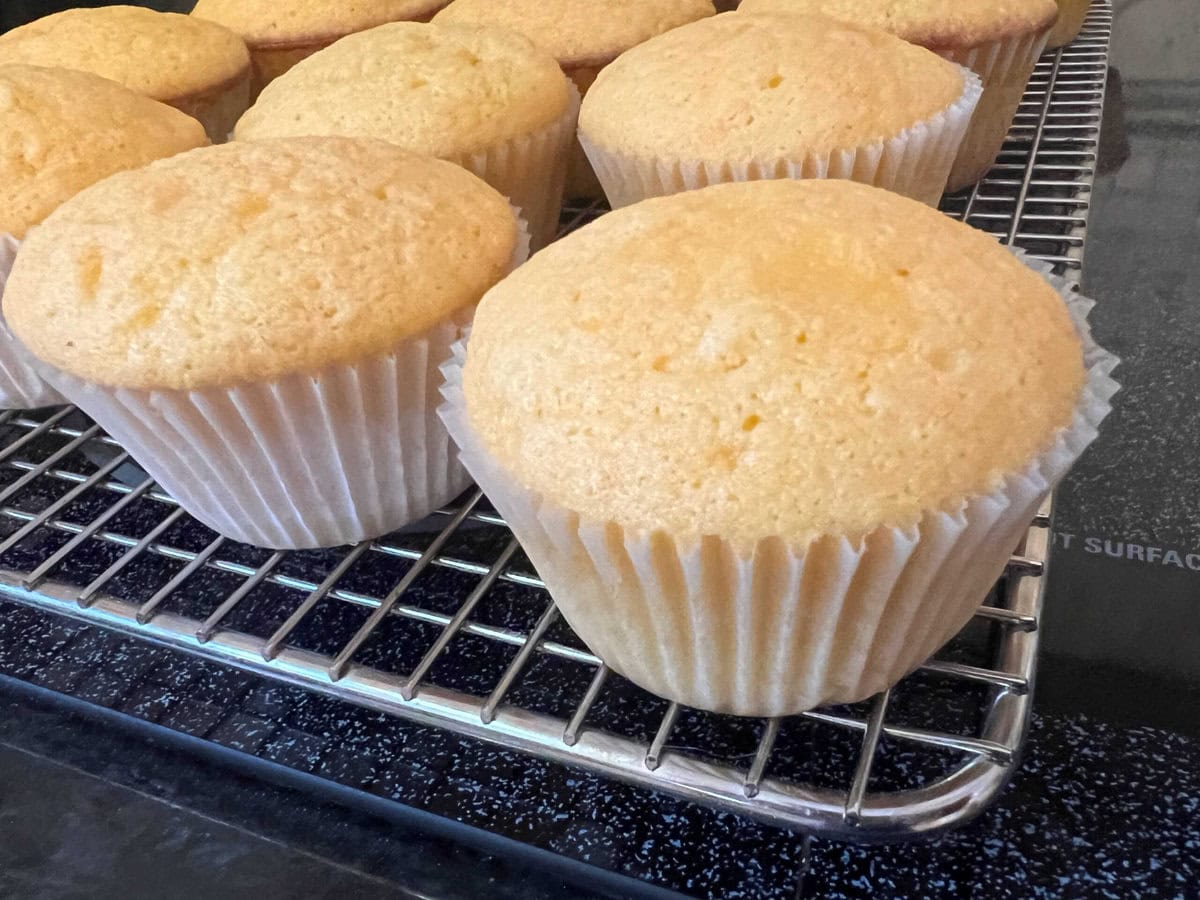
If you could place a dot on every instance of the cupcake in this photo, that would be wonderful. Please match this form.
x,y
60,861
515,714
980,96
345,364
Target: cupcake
x,y
260,326
1000,40
197,67
280,33
746,97
769,444
64,130
486,99
584,38
1071,14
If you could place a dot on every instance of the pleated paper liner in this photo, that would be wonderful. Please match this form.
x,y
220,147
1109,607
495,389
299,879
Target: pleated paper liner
x,y
319,459
916,162
1004,68
779,627
531,170
21,386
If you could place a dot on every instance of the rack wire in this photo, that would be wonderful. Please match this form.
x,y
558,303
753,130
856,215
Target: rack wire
x,y
448,625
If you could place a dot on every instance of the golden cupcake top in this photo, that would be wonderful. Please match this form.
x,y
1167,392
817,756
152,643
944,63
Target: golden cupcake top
x,y
298,23
770,358
444,90
252,261
162,55
741,86
64,130
580,32
936,24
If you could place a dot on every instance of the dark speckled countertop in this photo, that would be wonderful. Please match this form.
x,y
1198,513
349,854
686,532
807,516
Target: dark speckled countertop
x,y
344,802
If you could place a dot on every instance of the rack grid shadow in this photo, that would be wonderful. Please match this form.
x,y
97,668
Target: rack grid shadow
x,y
447,624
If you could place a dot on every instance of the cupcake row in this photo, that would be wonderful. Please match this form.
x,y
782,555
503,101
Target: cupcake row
x,y
911,95
768,442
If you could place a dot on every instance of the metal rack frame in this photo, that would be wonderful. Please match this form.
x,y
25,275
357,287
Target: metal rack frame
x,y
1036,197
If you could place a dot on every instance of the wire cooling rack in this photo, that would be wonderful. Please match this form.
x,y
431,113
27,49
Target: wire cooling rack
x,y
447,624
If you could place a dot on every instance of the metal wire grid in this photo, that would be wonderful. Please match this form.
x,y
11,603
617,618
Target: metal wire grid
x,y
1037,195
69,491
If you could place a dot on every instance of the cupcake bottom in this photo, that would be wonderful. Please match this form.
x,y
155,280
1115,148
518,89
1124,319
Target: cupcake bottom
x,y
582,183
780,627
345,455
914,163
1071,14
219,109
1004,68
21,386
531,171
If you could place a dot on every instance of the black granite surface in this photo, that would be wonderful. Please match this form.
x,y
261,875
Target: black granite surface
x,y
1124,800
1125,580
312,797
585,818
97,808
1095,811
76,830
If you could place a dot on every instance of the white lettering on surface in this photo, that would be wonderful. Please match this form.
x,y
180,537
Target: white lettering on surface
x,y
1131,551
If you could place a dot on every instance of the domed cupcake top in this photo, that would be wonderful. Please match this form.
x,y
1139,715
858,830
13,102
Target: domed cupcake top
x,y
162,55
773,358
251,261
579,32
931,23
746,86
65,130
444,90
297,23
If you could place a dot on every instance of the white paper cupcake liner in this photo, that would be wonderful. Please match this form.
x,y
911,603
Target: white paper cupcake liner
x,y
1071,16
1004,68
779,628
21,387
308,460
531,170
915,162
